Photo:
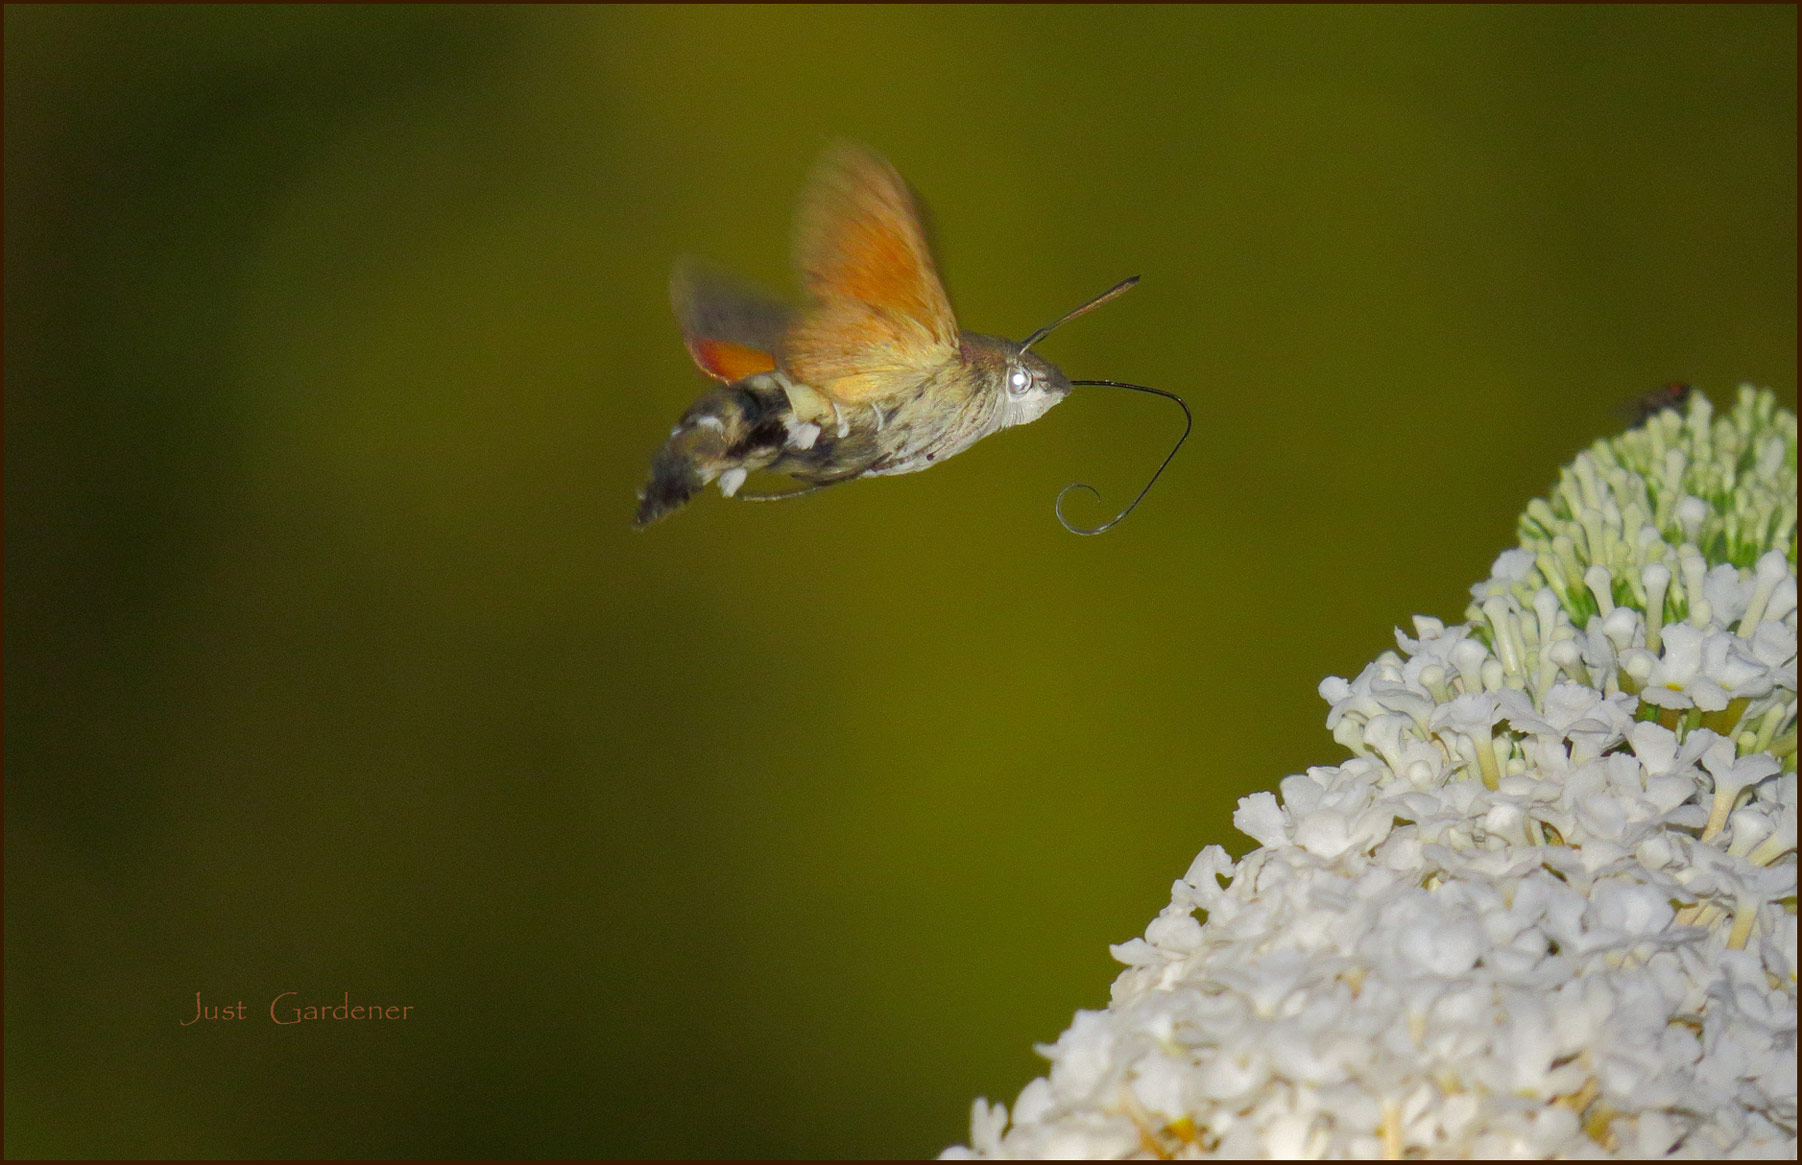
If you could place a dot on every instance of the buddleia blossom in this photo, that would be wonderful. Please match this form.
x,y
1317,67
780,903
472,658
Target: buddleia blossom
x,y
1548,905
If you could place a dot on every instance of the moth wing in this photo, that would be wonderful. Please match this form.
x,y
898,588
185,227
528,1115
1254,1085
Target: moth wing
x,y
878,320
732,328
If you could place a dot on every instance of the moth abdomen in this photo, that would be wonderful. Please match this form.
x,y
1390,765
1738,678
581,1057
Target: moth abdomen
x,y
726,434
675,478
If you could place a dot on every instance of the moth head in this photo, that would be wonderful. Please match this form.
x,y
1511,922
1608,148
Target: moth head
x,y
1030,386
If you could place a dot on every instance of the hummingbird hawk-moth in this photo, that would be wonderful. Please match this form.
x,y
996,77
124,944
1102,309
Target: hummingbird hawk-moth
x,y
871,377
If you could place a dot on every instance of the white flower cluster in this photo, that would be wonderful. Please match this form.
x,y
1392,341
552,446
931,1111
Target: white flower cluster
x,y
1549,906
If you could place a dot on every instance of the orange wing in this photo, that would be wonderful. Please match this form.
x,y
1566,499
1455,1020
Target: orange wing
x,y
879,321
730,327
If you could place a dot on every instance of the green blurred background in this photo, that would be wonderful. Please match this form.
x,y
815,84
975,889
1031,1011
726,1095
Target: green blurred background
x,y
337,343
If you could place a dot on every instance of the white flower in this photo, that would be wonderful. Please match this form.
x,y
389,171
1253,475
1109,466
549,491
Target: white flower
x,y
1546,908
1727,594
1731,776
1677,679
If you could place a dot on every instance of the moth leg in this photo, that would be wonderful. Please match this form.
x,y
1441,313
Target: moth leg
x,y
816,487
786,494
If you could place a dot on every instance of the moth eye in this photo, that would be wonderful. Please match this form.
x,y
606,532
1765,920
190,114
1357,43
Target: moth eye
x,y
1019,381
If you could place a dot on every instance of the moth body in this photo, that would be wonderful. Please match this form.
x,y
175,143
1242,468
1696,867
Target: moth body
x,y
871,377
769,422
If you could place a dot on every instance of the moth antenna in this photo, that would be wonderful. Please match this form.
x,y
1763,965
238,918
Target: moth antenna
x,y
1123,286
1188,425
